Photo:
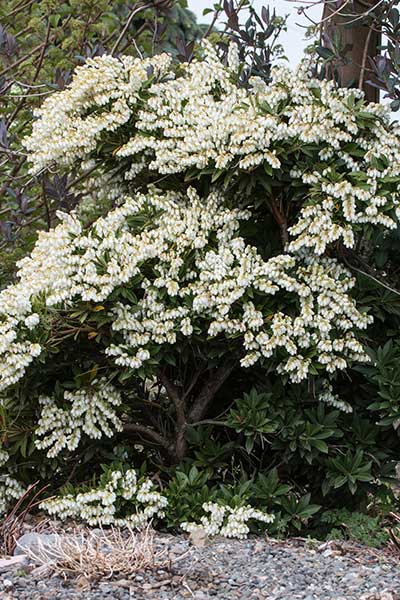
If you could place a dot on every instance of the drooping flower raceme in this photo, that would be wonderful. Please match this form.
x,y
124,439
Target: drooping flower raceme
x,y
332,399
195,117
102,505
89,411
190,271
224,520
4,456
10,491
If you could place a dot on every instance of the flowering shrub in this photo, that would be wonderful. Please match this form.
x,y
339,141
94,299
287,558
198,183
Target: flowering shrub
x,y
233,209
98,506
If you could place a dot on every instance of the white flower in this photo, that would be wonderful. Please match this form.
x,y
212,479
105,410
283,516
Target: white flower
x,y
4,456
224,520
98,506
10,490
89,411
32,320
332,399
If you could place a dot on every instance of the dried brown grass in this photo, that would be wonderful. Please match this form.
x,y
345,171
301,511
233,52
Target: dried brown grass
x,y
394,533
97,554
12,525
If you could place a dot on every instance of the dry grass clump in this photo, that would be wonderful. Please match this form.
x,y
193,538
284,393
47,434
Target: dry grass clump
x,y
395,534
99,554
12,525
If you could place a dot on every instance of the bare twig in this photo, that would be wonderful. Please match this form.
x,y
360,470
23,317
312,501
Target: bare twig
x,y
149,434
364,60
395,534
22,59
381,283
42,53
281,220
127,25
19,8
13,522
181,423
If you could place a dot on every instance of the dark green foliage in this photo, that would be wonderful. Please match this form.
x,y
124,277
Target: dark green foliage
x,y
384,375
296,455
355,527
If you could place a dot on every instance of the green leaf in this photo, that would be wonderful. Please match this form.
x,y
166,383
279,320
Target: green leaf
x,y
320,445
325,53
249,444
170,359
339,481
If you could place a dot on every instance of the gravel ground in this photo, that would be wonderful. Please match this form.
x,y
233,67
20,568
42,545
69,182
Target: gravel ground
x,y
234,570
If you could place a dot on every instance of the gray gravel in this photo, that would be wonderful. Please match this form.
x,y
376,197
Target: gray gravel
x,y
227,569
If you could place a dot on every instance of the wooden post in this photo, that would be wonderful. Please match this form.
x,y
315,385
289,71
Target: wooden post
x,y
363,41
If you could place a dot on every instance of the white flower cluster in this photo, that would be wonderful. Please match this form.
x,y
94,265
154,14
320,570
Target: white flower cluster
x,y
47,265
102,97
87,410
10,490
200,274
332,399
99,506
4,456
326,320
17,351
196,116
227,521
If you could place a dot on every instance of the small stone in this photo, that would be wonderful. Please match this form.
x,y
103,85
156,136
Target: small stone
x,y
386,595
123,583
41,545
42,572
199,537
331,548
82,583
147,586
7,584
13,562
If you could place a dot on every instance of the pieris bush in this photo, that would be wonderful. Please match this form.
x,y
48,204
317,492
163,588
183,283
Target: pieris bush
x,y
220,268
